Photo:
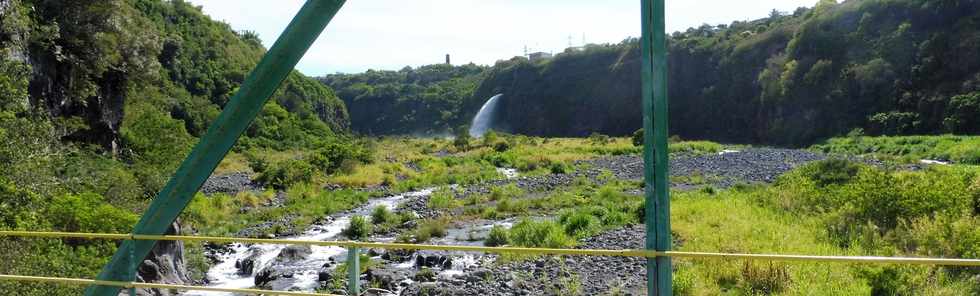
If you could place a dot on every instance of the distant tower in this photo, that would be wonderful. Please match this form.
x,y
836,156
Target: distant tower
x,y
447,59
569,41
525,50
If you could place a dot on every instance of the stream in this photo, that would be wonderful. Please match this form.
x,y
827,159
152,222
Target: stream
x,y
226,274
304,270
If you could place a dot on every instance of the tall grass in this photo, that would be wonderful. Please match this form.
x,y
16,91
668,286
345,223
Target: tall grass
x,y
959,149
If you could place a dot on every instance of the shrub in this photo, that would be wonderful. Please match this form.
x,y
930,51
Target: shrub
x,y
443,199
547,234
506,191
18,208
462,138
489,138
87,212
382,215
638,138
975,192
359,228
695,147
599,139
501,146
434,228
966,152
508,205
285,173
497,237
764,280
490,213
335,154
578,223
616,218
560,168
426,231
834,171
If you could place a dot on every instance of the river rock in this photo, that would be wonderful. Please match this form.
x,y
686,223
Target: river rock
x,y
230,184
388,279
265,277
425,259
294,253
398,255
246,266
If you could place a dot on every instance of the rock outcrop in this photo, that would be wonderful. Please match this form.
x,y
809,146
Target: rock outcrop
x,y
164,265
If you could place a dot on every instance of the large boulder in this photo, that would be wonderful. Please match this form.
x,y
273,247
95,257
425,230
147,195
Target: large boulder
x,y
293,253
164,265
265,277
398,255
280,272
433,260
387,279
246,266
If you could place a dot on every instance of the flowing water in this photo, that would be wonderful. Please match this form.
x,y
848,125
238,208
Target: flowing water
x,y
225,273
484,119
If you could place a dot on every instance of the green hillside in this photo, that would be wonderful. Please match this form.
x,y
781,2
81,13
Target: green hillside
x,y
428,100
99,102
888,67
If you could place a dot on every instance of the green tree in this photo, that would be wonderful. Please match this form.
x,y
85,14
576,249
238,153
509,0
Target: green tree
x,y
963,114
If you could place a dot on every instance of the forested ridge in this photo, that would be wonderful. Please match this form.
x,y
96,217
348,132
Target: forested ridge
x,y
101,100
883,66
426,100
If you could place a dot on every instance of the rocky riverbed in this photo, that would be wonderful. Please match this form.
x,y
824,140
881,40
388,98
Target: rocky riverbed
x,y
456,273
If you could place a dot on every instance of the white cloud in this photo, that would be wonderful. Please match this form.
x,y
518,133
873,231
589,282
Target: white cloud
x,y
390,34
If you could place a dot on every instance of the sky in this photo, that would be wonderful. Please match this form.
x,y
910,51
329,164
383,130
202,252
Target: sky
x,y
392,34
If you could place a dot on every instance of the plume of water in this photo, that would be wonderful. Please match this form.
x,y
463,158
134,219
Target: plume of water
x,y
483,119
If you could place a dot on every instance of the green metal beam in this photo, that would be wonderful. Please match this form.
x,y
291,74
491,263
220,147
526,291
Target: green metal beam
x,y
353,271
655,154
267,76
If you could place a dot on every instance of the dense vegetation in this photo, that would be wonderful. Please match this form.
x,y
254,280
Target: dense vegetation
x,y
889,67
958,149
429,100
100,100
830,207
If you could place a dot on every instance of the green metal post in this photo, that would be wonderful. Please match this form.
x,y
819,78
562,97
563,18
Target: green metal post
x,y
267,76
655,153
353,271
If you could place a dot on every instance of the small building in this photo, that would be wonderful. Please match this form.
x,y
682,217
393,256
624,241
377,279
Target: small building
x,y
538,56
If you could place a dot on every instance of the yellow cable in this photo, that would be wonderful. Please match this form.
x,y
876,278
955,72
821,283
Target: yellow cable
x,y
85,282
516,250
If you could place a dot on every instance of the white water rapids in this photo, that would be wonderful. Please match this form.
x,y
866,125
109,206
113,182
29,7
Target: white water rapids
x,y
225,274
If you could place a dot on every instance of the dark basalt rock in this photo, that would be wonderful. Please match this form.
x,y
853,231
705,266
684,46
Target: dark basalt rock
x,y
426,259
230,184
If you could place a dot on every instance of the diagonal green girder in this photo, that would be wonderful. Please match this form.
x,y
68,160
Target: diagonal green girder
x,y
221,135
655,154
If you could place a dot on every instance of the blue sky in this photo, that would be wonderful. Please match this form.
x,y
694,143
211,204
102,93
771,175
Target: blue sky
x,y
391,34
